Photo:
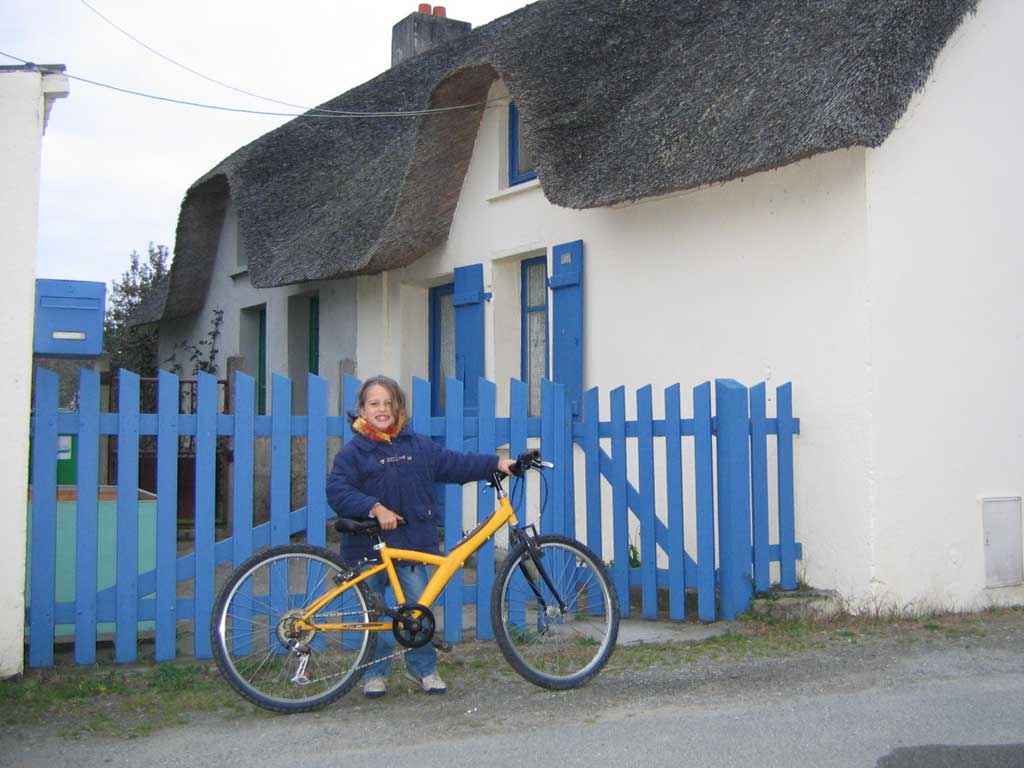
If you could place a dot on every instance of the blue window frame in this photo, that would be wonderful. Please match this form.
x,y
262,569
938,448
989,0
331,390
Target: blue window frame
x,y
521,165
442,343
535,352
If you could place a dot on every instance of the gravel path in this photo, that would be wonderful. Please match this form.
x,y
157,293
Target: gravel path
x,y
886,697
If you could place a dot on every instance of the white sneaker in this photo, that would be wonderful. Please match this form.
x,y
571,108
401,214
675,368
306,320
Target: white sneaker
x,y
431,683
375,687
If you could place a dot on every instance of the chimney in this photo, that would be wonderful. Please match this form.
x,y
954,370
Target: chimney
x,y
420,31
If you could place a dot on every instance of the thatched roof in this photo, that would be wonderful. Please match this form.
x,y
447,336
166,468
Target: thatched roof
x,y
621,99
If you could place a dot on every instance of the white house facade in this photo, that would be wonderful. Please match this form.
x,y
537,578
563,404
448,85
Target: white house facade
x,y
880,280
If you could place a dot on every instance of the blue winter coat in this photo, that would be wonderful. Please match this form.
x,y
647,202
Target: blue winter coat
x,y
401,476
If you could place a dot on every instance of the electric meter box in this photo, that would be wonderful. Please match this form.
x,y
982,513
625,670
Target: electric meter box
x,y
69,318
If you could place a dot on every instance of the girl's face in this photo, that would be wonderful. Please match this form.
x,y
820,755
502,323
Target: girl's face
x,y
377,408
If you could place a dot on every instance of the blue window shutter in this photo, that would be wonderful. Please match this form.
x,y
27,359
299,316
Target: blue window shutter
x,y
567,319
469,329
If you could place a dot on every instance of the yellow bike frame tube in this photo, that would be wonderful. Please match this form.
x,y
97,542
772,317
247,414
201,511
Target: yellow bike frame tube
x,y
303,621
446,568
458,556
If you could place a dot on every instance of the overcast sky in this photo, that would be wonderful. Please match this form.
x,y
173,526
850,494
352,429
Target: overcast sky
x,y
116,166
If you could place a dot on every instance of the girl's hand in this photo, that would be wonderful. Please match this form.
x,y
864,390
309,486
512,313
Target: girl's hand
x,y
505,465
388,520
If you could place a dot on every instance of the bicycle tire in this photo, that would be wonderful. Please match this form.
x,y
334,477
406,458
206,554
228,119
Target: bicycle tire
x,y
249,630
549,648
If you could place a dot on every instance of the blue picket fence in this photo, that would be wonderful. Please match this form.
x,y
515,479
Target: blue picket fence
x,y
731,513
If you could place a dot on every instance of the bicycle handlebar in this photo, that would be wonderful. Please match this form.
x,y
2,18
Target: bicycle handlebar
x,y
529,460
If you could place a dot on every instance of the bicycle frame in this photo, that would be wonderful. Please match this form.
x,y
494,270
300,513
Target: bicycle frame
x,y
447,567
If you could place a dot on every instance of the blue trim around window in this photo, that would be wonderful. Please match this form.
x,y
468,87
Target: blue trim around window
x,y
436,385
527,310
514,174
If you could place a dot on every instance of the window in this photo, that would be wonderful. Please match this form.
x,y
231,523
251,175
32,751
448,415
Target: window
x,y
442,343
314,335
521,164
253,346
534,327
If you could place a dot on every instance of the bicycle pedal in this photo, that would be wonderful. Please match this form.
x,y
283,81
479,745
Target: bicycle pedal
x,y
442,646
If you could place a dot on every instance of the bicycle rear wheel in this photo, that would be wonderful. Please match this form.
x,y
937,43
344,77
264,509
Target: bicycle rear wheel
x,y
551,647
254,638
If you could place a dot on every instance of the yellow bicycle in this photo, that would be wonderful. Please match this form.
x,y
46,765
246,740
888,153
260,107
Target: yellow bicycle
x,y
295,626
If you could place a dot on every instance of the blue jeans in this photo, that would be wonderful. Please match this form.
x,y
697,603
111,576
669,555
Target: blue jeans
x,y
419,661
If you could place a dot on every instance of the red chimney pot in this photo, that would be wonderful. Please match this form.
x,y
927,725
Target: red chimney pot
x,y
439,10
424,7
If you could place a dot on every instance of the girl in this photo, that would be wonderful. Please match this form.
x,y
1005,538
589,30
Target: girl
x,y
388,472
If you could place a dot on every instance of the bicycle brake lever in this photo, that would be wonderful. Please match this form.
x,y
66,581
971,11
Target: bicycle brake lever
x,y
546,464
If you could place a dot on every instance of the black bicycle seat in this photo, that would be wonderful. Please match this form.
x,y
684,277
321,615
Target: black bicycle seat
x,y
368,527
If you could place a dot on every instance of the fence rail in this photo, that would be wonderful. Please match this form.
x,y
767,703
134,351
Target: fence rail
x,y
614,464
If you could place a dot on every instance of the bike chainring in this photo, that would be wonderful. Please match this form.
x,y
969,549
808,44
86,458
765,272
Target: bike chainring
x,y
413,625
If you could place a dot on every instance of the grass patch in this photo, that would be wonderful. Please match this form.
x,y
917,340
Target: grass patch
x,y
124,701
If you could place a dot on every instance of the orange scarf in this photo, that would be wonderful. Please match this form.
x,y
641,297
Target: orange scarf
x,y
363,427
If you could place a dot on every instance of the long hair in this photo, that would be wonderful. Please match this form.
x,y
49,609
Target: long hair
x,y
394,390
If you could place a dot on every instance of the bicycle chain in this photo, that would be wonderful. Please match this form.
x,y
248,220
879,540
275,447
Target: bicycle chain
x,y
299,677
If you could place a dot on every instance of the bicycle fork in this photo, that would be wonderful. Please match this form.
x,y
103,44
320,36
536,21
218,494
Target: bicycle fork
x,y
535,569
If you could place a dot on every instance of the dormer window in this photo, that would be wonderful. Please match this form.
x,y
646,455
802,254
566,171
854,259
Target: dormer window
x,y
521,164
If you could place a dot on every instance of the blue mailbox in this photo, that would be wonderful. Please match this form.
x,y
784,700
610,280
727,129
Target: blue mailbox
x,y
69,318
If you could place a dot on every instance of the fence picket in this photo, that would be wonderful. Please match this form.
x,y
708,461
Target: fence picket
x,y
674,501
487,399
242,534
786,428
127,568
518,409
704,475
569,462
552,519
243,451
316,461
733,462
421,406
350,397
166,515
646,510
86,521
43,544
759,487
206,510
591,447
620,511
454,438
280,459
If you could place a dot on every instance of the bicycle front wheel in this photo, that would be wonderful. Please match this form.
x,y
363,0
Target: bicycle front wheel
x,y
551,645
260,651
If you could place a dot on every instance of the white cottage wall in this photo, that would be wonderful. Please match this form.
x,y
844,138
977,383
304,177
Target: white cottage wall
x,y
231,290
24,99
947,318
762,278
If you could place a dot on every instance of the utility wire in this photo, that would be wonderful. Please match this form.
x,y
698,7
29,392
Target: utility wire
x,y
312,113
168,59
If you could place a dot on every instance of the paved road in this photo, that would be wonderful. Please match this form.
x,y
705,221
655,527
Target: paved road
x,y
893,702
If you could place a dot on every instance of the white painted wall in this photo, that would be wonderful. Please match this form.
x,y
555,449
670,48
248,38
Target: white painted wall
x,y
881,283
762,278
24,101
946,273
231,290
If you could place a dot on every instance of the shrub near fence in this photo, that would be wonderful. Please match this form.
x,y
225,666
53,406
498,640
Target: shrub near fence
x,y
736,439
